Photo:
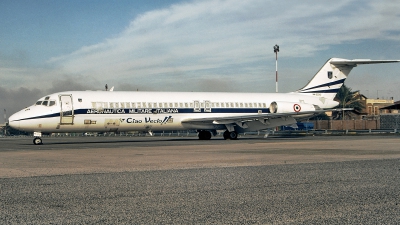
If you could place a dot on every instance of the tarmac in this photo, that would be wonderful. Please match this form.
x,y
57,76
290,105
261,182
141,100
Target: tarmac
x,y
182,180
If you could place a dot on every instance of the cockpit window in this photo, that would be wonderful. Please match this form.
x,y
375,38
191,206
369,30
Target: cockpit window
x,y
46,102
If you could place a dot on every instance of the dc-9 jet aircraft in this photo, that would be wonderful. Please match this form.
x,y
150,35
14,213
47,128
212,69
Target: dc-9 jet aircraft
x,y
206,112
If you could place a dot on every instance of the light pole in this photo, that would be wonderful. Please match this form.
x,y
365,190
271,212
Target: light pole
x,y
5,122
276,50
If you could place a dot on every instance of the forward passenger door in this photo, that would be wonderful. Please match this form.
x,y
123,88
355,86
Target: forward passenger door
x,y
67,110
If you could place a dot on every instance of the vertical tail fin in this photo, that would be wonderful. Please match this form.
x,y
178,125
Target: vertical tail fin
x,y
327,82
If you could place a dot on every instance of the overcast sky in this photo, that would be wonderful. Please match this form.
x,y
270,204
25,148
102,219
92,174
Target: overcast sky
x,y
48,46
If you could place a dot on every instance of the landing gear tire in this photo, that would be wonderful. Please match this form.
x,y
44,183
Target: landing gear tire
x,y
204,135
230,135
226,135
233,135
37,141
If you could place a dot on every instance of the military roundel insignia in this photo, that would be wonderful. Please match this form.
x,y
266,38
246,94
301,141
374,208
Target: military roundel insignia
x,y
296,107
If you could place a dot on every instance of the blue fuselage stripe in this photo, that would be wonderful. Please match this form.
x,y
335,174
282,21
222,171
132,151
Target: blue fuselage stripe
x,y
170,110
147,111
325,85
322,91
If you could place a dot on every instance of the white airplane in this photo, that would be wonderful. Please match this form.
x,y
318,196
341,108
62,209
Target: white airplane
x,y
206,112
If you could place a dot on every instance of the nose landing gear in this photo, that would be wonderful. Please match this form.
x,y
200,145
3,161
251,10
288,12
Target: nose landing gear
x,y
37,141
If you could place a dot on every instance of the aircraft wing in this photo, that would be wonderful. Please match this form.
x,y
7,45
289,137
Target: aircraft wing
x,y
243,118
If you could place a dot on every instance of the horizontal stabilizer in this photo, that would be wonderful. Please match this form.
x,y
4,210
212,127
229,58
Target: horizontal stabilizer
x,y
330,78
355,62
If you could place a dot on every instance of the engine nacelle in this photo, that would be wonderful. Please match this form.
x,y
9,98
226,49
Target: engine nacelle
x,y
290,107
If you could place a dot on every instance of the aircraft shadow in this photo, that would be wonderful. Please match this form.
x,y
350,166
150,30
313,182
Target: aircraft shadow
x,y
73,141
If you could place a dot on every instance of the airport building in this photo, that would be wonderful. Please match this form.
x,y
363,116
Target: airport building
x,y
377,114
372,107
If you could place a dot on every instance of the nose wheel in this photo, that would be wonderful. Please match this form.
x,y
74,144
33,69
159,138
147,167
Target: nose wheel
x,y
37,141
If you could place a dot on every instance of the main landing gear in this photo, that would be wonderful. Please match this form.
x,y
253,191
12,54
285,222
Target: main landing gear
x,y
204,135
37,141
230,135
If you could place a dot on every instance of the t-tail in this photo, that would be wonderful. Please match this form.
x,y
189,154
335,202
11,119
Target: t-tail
x,y
327,82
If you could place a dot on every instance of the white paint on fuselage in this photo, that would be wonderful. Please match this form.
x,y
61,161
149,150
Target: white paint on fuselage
x,y
90,118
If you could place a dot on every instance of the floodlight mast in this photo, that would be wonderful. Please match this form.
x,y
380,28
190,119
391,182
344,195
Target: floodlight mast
x,y
276,50
5,122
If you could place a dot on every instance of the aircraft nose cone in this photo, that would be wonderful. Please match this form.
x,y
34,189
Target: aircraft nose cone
x,y
13,122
